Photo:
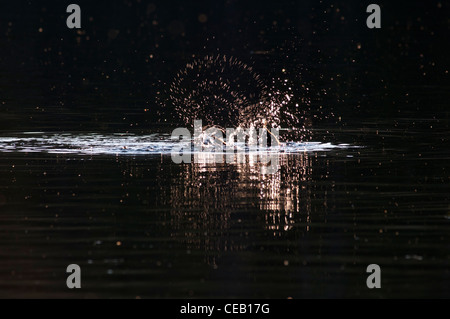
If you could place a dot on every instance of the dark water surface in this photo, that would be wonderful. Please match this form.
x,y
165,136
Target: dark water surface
x,y
141,226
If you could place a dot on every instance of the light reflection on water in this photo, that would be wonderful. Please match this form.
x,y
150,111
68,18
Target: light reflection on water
x,y
219,191
204,195
212,204
216,229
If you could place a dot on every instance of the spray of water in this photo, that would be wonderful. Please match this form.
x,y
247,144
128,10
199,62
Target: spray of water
x,y
220,90
224,92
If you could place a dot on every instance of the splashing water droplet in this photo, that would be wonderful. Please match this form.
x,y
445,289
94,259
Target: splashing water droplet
x,y
223,91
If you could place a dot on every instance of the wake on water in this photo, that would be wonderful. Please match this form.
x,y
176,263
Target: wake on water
x,y
126,144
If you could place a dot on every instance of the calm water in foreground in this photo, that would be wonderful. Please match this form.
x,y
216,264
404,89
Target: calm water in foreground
x,y
139,225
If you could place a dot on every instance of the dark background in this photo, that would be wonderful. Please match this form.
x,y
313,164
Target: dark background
x,y
113,73
143,226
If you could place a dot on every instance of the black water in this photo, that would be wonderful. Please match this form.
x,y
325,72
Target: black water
x,y
140,225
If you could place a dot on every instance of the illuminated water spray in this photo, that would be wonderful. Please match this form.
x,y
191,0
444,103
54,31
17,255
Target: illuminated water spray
x,y
221,91
224,92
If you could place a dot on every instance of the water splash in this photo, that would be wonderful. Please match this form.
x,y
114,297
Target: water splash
x,y
124,144
223,91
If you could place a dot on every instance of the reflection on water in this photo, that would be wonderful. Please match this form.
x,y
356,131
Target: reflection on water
x,y
143,226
